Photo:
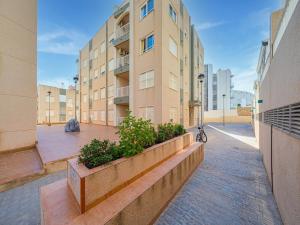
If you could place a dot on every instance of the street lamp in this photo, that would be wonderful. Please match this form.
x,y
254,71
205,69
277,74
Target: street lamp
x,y
223,109
75,81
49,123
200,78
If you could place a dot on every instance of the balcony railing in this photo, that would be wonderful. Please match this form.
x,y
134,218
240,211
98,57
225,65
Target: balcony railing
x,y
122,64
120,9
122,34
122,91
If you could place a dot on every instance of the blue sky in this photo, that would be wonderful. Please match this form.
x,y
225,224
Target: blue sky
x,y
231,32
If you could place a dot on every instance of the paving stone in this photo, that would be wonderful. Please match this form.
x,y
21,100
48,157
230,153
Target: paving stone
x,y
230,187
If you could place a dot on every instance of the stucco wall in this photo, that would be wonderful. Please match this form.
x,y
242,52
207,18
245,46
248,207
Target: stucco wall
x,y
279,88
17,74
231,116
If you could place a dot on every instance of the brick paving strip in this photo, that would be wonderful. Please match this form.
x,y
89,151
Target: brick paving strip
x,y
230,187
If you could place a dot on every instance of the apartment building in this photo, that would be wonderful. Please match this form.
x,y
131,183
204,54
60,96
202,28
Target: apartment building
x,y
215,86
59,105
241,99
18,34
146,59
277,122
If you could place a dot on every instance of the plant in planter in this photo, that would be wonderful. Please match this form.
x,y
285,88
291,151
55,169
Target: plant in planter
x,y
179,130
169,130
136,134
98,152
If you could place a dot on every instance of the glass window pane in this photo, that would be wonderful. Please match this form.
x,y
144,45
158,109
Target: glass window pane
x,y
150,42
143,11
150,5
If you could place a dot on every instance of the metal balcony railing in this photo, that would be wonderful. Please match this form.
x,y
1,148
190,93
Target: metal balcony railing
x,y
122,91
122,62
122,31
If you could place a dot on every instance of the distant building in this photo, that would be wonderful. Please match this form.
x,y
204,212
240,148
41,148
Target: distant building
x,y
208,87
241,99
62,104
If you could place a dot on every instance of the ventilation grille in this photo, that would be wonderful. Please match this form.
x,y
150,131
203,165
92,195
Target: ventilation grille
x,y
285,118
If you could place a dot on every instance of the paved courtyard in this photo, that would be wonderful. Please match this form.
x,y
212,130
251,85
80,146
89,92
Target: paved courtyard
x,y
229,188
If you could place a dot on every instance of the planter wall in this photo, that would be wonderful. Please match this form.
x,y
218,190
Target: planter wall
x,y
93,186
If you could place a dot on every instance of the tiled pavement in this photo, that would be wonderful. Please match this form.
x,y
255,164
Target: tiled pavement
x,y
230,187
21,205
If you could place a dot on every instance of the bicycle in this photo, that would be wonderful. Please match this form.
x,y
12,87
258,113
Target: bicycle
x,y
201,136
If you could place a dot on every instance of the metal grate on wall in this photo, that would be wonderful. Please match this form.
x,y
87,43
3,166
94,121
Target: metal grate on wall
x,y
286,118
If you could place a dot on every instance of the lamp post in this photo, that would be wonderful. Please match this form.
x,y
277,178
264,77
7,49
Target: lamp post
x,y
49,123
200,78
223,109
75,81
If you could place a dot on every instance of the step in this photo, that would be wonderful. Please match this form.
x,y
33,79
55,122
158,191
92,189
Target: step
x,y
141,202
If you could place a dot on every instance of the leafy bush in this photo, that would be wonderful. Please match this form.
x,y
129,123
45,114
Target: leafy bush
x,y
167,131
135,135
98,152
179,130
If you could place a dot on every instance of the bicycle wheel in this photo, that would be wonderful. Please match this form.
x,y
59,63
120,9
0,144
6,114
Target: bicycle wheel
x,y
203,137
198,138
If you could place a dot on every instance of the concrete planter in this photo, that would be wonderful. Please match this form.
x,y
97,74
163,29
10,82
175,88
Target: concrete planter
x,y
90,187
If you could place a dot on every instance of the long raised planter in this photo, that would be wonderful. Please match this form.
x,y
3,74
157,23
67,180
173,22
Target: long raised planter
x,y
91,186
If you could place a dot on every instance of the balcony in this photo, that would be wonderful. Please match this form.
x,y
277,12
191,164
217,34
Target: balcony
x,y
122,35
122,65
194,103
122,96
120,9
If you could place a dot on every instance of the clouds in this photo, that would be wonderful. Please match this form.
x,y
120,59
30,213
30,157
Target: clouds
x,y
61,41
209,25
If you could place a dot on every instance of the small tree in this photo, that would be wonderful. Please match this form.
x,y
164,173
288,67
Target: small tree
x,y
135,135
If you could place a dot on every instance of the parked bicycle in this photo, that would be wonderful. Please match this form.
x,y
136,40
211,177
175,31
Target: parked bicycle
x,y
201,136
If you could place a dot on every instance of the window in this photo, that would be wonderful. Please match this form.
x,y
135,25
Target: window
x,y
102,47
173,81
147,8
172,13
84,80
102,70
96,95
62,98
51,113
85,98
102,115
51,98
96,53
84,116
110,91
110,115
147,113
70,102
95,116
147,43
111,64
102,93
173,114
172,46
85,63
146,80
96,73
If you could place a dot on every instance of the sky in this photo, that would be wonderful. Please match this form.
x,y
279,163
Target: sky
x,y
231,32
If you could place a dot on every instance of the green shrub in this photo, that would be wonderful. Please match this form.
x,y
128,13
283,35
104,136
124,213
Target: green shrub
x,y
98,152
179,130
135,134
167,131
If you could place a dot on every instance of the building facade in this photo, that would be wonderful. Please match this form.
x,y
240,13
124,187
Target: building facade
x,y
18,38
208,87
241,99
145,59
58,107
278,106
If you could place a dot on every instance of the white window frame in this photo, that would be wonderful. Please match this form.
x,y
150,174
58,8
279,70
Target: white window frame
x,y
147,9
173,47
149,79
145,39
173,81
172,13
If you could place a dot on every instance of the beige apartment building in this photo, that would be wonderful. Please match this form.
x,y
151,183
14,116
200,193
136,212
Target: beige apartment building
x,y
145,58
278,109
59,105
18,38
